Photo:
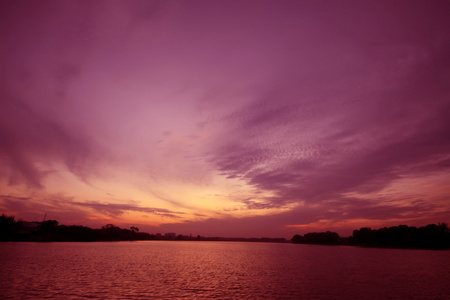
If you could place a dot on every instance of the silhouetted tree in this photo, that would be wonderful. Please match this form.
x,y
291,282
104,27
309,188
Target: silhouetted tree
x,y
9,228
320,238
429,237
47,231
298,239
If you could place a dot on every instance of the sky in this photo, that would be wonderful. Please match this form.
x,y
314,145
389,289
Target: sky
x,y
226,118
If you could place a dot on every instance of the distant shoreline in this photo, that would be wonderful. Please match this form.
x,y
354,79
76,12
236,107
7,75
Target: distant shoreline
x,y
432,236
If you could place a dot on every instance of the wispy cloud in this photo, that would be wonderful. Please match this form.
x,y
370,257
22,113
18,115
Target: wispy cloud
x,y
115,209
364,144
319,111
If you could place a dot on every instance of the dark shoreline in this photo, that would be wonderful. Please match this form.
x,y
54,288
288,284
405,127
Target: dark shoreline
x,y
432,236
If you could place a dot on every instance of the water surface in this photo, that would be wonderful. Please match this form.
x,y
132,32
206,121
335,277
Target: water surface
x,y
225,270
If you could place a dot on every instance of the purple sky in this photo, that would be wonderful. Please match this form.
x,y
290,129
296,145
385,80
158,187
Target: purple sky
x,y
226,118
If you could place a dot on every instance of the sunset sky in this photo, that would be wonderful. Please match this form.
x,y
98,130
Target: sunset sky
x,y
226,118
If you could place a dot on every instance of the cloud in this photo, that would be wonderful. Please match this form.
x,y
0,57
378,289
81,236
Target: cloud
x,y
318,150
115,209
29,140
63,208
294,105
36,206
342,215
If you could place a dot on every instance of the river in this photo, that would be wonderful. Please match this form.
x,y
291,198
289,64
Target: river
x,y
219,270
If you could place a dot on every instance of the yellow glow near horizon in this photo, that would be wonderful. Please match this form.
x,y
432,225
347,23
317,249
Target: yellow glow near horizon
x,y
219,197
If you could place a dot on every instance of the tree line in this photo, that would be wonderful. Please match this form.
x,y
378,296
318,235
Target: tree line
x,y
431,236
51,231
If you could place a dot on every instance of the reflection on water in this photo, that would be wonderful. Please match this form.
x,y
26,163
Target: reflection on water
x,y
167,270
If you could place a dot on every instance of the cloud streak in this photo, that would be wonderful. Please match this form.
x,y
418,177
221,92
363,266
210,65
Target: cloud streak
x,y
233,113
114,209
29,139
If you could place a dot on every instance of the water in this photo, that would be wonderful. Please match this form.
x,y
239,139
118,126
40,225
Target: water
x,y
224,270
